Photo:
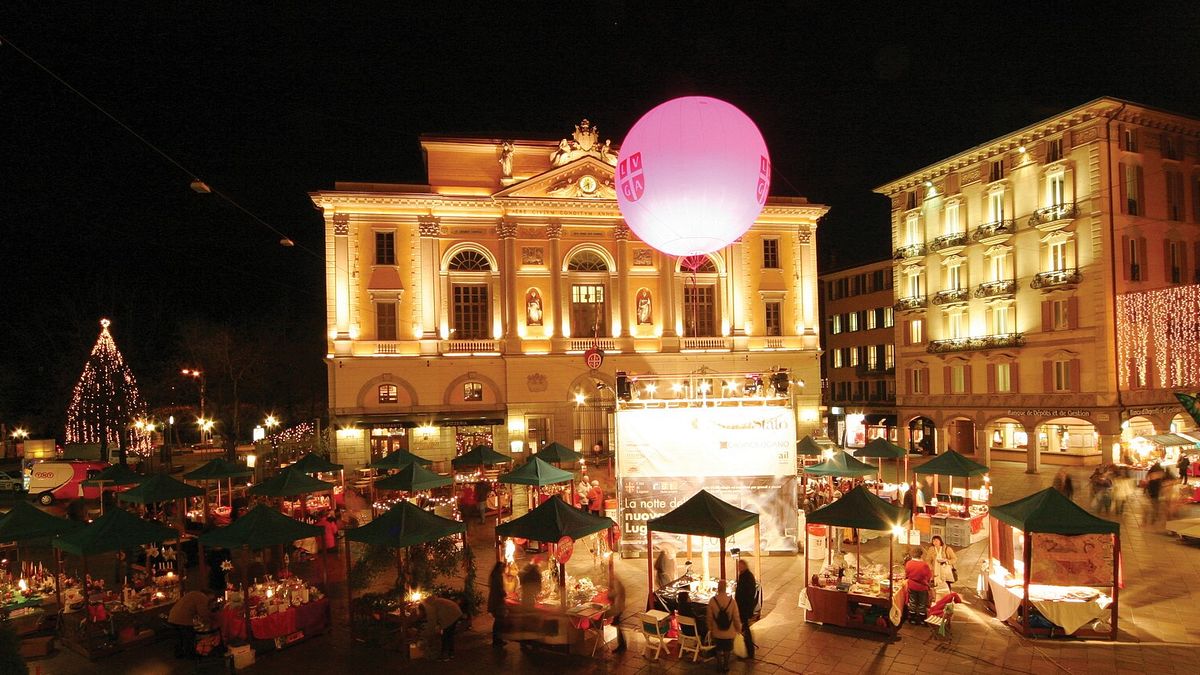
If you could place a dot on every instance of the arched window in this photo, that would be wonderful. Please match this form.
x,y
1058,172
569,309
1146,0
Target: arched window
x,y
587,261
707,266
388,393
469,260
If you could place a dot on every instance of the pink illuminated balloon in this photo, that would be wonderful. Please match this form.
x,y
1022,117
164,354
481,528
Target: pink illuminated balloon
x,y
692,176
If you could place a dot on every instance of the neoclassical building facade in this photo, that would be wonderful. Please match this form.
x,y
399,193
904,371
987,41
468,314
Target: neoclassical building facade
x,y
1047,285
459,311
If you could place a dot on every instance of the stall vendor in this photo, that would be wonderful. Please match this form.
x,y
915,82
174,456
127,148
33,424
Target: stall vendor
x,y
192,607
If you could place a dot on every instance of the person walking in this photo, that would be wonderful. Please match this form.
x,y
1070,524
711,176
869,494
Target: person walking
x,y
1154,483
746,596
942,560
442,615
616,607
724,623
1064,484
596,499
496,602
919,576
1184,463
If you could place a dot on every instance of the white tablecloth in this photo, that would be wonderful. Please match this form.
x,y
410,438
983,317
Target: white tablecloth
x,y
1070,614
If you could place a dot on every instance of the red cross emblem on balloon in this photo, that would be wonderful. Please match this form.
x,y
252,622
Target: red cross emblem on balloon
x,y
629,173
764,179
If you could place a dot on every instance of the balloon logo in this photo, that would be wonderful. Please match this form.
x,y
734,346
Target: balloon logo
x,y
693,175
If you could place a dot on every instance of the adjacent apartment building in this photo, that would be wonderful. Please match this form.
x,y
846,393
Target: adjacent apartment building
x,y
460,311
859,365
1047,286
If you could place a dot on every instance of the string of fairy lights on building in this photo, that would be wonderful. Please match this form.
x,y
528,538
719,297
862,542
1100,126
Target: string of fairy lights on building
x,y
1160,327
106,402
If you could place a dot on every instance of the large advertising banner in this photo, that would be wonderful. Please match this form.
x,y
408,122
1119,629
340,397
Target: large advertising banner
x,y
745,456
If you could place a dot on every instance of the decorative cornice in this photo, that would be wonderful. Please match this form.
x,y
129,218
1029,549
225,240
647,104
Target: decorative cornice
x,y
621,232
554,231
506,229
341,224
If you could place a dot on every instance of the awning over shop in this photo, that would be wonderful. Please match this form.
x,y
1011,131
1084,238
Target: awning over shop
x,y
488,418
1170,441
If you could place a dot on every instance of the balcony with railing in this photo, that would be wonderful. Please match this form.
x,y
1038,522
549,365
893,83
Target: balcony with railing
x,y
951,296
988,232
993,289
975,343
913,302
910,251
1053,217
948,241
462,347
705,344
584,344
1056,278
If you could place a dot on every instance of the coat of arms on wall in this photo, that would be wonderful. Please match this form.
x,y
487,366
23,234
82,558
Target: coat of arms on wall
x,y
532,255
643,257
536,382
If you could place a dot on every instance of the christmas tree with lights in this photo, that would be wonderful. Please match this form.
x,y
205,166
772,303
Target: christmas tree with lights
x,y
106,403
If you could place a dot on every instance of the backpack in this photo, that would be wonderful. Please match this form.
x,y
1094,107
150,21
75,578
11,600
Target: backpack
x,y
723,619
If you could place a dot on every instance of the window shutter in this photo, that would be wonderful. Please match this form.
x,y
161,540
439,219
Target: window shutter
x,y
1047,316
1073,313
1167,260
1124,186
1039,152
907,330
1075,374
1013,377
991,378
1143,260
908,381
1196,199
1183,263
925,379
1125,261
946,379
967,379
1141,192
1047,376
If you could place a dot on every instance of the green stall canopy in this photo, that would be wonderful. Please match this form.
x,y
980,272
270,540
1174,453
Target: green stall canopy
x,y
881,448
404,525
553,520
480,455
536,472
218,469
1051,512
704,515
807,447
558,453
841,465
951,463
290,483
399,459
314,463
861,509
26,521
413,478
160,488
263,526
116,530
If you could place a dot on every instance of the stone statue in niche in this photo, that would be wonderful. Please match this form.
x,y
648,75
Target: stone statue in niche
x,y
506,159
533,308
645,309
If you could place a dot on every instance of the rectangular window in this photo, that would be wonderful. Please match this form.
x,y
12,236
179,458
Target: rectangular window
x,y
954,277
853,321
889,356
773,317
1133,189
1003,377
872,355
996,170
889,317
1062,376
872,319
1056,189
1054,150
1170,147
911,200
588,315
835,324
385,248
912,229
955,327
995,204
1060,314
1129,139
1000,266
958,379
388,393
952,224
837,358
1135,267
472,391
916,331
877,281
919,386
914,285
770,254
699,311
471,313
1001,320
385,321
1175,198
1057,256
1175,261
853,356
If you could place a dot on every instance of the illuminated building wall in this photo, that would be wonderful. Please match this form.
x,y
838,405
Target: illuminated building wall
x,y
1039,278
461,309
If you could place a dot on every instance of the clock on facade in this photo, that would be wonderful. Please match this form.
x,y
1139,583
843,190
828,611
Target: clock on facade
x,y
587,184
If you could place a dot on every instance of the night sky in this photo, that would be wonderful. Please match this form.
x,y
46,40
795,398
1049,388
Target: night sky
x,y
266,105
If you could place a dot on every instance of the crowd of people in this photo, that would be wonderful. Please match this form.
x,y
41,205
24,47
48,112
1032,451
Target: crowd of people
x,y
1112,487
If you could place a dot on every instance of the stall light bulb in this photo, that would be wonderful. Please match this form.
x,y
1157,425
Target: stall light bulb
x,y
415,596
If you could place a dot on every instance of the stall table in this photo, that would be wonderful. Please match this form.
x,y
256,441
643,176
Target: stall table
x,y
292,624
1069,607
850,610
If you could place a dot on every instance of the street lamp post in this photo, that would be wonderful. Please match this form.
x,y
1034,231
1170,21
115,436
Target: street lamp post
x,y
197,375
19,435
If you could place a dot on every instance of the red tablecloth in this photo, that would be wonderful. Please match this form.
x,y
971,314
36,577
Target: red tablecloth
x,y
309,618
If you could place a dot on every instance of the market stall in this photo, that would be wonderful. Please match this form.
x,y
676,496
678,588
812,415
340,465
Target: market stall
x,y
29,593
958,515
471,467
115,477
838,465
565,611
706,516
279,611
537,474
1048,560
881,449
401,527
413,479
558,454
808,451
216,470
866,600
106,619
313,463
300,497
393,461
159,489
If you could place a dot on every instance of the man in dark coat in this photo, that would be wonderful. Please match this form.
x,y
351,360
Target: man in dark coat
x,y
746,596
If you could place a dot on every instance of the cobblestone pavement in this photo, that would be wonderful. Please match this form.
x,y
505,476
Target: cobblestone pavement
x,y
1159,622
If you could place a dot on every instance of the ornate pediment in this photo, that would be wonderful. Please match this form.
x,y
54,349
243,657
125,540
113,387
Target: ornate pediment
x,y
586,178
584,142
